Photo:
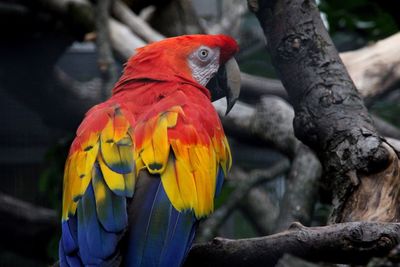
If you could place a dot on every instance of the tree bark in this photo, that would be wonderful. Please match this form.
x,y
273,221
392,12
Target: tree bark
x,y
330,116
351,243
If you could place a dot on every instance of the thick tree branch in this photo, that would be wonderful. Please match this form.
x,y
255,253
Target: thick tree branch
x,y
353,243
329,113
375,69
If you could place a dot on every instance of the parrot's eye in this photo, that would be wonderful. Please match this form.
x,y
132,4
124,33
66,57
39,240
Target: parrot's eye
x,y
203,53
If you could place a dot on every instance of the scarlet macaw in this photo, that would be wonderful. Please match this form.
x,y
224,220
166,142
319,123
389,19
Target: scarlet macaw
x,y
146,164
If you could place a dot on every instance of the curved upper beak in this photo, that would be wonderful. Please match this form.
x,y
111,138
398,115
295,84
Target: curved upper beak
x,y
226,83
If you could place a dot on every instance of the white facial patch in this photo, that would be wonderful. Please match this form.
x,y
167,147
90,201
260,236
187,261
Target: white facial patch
x,y
204,63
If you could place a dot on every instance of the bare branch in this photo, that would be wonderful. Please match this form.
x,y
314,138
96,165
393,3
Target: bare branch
x,y
375,68
229,22
105,59
270,122
123,41
254,87
301,190
351,243
260,210
135,23
26,228
385,128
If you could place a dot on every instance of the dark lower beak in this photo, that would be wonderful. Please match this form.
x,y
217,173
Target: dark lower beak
x,y
226,83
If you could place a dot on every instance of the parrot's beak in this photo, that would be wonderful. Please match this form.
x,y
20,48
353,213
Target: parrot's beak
x,y
226,83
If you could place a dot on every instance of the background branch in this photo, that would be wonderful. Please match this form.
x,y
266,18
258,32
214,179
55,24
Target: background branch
x,y
26,228
210,226
301,190
135,23
105,61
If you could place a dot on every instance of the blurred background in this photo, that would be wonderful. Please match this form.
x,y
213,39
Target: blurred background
x,y
50,75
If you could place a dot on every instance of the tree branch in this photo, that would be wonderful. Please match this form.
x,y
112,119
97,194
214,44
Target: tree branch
x,y
375,68
270,122
105,58
329,113
26,228
351,243
135,23
260,210
301,190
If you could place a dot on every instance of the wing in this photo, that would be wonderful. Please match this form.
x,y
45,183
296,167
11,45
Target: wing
x,y
99,175
185,145
180,149
164,212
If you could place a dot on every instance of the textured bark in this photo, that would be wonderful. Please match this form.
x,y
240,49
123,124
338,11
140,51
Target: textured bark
x,y
375,70
330,116
351,243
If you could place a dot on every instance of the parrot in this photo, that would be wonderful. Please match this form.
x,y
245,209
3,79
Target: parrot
x,y
146,164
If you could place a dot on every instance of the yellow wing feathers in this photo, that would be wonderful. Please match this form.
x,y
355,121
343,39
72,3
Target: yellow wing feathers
x,y
168,143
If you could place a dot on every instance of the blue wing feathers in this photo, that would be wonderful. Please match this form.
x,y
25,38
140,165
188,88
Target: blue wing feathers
x,y
158,234
111,208
220,181
140,212
155,232
68,247
69,241
68,260
96,244
181,232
